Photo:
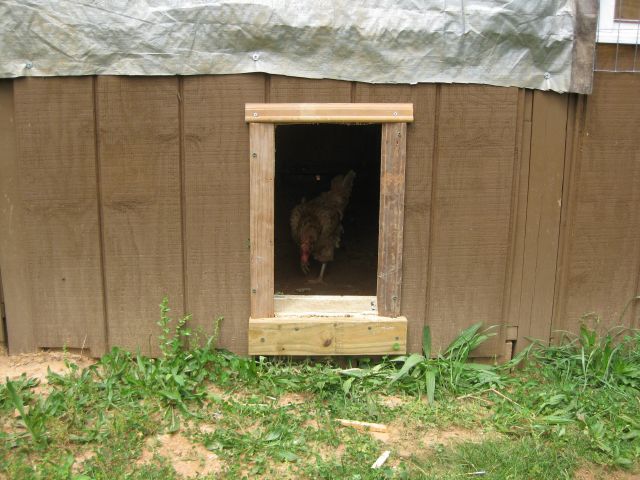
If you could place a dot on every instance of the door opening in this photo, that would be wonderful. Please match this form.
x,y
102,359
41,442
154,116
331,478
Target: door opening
x,y
308,158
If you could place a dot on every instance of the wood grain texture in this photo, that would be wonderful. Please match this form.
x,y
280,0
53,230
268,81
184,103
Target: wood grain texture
x,y
420,139
56,185
322,305
328,112
515,274
16,284
601,225
391,223
302,90
140,182
327,336
544,200
473,182
261,219
216,145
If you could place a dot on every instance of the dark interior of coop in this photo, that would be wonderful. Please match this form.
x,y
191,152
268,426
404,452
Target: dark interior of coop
x,y
308,157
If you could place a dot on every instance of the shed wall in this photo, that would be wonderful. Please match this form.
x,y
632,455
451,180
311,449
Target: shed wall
x,y
522,207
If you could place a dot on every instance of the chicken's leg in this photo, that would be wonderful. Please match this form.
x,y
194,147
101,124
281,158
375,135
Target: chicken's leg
x,y
321,276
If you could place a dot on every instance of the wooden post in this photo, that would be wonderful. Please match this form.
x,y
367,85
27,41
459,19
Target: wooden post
x,y
262,171
392,173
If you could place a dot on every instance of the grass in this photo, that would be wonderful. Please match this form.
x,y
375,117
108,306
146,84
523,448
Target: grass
x,y
546,414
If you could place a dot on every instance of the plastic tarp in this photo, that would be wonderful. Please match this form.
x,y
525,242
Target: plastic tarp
x,y
541,44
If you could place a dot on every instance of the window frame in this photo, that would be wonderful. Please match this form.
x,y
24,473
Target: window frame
x,y
615,31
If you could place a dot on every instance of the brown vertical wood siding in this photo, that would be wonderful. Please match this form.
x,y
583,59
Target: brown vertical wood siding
x,y
521,208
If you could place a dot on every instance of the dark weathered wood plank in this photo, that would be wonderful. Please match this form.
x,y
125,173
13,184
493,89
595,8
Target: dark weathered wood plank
x,y
391,223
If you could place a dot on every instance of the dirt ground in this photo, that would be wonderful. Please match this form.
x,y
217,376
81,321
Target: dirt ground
x,y
36,364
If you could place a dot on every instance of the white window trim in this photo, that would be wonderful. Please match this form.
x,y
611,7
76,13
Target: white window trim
x,y
610,31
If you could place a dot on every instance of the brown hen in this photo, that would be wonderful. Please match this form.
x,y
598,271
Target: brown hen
x,y
316,225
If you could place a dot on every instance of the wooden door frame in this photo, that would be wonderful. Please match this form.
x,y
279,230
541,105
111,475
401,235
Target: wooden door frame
x,y
350,334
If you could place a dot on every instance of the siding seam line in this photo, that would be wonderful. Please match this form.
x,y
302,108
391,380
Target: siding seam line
x,y
100,208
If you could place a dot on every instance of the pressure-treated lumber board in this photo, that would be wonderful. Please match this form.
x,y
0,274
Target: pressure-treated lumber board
x,y
15,281
420,143
56,176
391,223
472,208
357,335
328,112
600,265
216,179
322,305
544,199
139,160
262,168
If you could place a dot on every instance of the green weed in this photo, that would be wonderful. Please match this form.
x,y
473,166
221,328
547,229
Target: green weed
x,y
563,406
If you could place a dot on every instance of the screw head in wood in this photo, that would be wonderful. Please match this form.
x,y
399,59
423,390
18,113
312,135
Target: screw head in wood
x,y
255,114
394,298
254,155
547,75
256,57
253,290
29,65
395,114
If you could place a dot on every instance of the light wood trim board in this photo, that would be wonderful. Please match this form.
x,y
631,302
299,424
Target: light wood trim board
x,y
261,216
325,305
300,335
328,112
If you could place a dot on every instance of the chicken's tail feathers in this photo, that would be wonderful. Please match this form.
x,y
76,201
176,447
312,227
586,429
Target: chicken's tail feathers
x,y
343,183
347,182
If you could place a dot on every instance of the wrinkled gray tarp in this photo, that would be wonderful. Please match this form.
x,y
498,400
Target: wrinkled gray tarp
x,y
524,43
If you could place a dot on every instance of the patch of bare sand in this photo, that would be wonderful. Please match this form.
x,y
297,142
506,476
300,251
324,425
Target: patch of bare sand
x,y
311,423
406,441
327,451
80,459
599,473
392,401
293,399
35,365
188,459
